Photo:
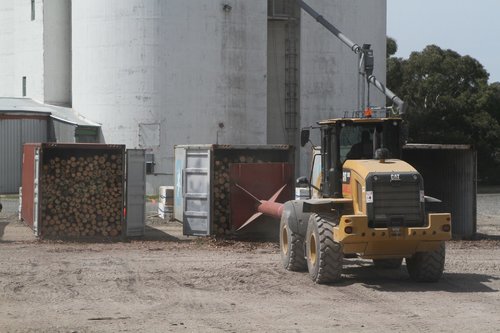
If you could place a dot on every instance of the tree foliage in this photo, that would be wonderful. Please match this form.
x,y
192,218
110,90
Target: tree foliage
x,y
449,101
392,47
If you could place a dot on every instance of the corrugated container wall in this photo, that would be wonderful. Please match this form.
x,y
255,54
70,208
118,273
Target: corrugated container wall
x,y
160,73
449,175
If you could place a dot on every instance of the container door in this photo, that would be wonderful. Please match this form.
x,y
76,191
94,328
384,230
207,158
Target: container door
x,y
36,194
195,184
180,162
136,192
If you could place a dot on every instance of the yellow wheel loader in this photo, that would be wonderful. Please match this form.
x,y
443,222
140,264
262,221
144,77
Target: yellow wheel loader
x,y
365,201
370,206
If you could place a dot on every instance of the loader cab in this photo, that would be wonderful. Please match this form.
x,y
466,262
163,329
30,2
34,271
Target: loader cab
x,y
354,138
361,140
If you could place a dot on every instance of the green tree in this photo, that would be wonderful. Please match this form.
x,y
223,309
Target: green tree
x,y
391,47
449,101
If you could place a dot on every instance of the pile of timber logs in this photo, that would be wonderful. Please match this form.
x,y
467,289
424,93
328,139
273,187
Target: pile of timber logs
x,y
221,192
82,196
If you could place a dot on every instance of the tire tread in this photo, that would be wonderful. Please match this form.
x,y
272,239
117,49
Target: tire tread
x,y
297,261
330,254
427,266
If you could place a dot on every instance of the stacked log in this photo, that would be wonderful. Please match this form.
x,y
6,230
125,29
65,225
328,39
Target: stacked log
x,y
221,192
82,196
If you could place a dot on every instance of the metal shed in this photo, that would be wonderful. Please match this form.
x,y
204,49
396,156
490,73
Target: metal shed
x,y
23,120
449,173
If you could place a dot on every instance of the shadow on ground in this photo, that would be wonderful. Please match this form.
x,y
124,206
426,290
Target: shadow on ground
x,y
398,280
155,234
150,234
3,225
481,236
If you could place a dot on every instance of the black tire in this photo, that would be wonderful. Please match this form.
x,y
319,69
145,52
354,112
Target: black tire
x,y
427,266
324,255
291,248
388,263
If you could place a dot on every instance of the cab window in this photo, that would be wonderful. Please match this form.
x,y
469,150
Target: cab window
x,y
356,143
360,141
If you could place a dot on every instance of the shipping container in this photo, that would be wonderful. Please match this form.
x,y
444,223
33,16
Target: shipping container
x,y
449,173
216,187
83,190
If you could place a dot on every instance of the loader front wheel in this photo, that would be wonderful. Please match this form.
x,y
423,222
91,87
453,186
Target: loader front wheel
x,y
292,247
324,255
427,266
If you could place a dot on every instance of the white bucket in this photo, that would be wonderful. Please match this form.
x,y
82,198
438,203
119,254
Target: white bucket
x,y
166,202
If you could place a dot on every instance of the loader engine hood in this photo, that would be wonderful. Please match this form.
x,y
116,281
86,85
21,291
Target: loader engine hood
x,y
365,167
393,192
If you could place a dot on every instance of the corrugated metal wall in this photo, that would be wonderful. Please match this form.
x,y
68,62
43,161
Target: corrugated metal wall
x,y
14,133
450,175
61,131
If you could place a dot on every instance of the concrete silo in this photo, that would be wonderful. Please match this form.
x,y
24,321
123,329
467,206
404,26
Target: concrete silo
x,y
7,51
157,73
35,53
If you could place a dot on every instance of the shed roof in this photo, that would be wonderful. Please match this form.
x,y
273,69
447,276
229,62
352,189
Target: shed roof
x,y
27,105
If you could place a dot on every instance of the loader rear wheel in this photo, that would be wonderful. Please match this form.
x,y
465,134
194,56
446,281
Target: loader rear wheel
x,y
427,266
388,263
324,255
292,248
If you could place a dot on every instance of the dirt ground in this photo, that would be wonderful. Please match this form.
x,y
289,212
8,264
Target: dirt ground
x,y
166,282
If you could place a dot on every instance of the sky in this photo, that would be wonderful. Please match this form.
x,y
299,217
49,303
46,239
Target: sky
x,y
467,27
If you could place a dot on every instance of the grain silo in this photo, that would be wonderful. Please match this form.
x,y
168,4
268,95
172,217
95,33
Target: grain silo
x,y
156,73
35,52
159,73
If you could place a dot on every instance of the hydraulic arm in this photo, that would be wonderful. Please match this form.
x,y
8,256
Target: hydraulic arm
x,y
365,54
